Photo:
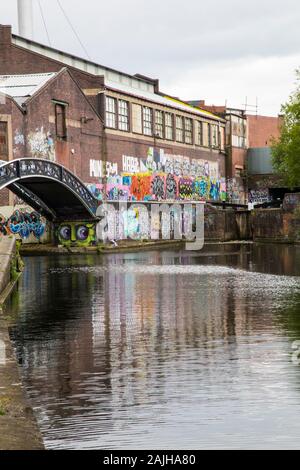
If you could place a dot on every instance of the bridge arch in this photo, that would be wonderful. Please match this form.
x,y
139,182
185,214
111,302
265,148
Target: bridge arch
x,y
50,188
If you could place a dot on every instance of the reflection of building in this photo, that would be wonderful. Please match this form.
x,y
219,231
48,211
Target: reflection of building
x,y
148,135
136,332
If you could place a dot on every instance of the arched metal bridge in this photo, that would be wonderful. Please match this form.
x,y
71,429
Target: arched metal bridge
x,y
49,188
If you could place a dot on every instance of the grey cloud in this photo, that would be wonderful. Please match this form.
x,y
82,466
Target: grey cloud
x,y
135,35
167,38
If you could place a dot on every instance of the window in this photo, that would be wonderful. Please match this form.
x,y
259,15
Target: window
x,y
208,135
123,117
199,133
3,139
169,126
60,121
111,112
222,138
238,126
179,129
214,136
159,124
136,111
188,130
147,121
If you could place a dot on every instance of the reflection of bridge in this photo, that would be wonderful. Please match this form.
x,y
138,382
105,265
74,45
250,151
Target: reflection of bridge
x,y
49,188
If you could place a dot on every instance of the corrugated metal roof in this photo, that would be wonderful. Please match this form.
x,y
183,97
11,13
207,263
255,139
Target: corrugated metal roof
x,y
164,100
22,87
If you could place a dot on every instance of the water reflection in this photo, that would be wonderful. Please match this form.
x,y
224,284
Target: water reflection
x,y
162,349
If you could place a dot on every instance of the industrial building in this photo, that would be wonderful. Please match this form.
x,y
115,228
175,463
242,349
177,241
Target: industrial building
x,y
149,145
249,172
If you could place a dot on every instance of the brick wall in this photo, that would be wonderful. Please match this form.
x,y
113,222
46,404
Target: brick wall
x,y
84,139
261,129
13,116
117,147
276,225
237,158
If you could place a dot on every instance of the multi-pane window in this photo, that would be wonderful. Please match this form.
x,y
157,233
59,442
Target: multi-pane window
x,y
199,135
3,139
159,124
188,130
147,121
169,126
214,136
123,115
60,121
179,129
111,112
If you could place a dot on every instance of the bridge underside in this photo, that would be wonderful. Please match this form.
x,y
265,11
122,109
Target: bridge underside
x,y
49,188
54,200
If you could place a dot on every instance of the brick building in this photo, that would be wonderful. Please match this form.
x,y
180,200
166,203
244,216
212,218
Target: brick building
x,y
150,145
261,130
263,184
236,148
48,116
249,171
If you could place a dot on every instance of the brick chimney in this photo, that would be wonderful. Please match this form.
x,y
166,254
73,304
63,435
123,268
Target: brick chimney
x,y
5,35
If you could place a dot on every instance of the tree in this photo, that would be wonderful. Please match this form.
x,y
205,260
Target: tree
x,y
286,150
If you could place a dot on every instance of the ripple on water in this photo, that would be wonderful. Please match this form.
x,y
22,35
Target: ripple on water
x,y
147,353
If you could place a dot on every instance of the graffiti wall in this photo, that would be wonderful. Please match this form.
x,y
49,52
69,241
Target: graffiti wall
x,y
235,191
160,176
259,196
23,223
80,234
42,145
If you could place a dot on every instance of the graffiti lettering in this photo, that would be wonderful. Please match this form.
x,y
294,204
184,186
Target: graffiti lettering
x,y
23,223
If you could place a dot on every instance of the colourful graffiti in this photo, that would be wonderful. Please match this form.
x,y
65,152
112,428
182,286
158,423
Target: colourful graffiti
x,y
23,223
79,234
159,187
162,177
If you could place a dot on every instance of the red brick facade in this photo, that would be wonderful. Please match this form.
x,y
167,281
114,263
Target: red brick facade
x,y
88,144
32,130
261,130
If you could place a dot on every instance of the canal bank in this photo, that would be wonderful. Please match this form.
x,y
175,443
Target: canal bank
x,y
19,429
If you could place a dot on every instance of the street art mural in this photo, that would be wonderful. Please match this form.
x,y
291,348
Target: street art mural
x,y
80,234
158,177
291,201
235,191
259,196
23,223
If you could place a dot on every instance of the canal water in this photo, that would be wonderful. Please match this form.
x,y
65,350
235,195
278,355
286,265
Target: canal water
x,y
164,350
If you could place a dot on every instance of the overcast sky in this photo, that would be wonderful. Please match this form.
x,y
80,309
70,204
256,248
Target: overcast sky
x,y
215,50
